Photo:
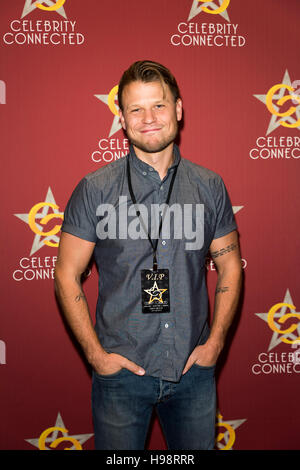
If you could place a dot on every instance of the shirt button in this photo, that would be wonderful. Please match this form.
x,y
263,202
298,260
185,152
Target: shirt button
x,y
144,173
150,169
164,242
166,325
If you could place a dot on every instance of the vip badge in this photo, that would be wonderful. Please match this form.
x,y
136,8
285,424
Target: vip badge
x,y
155,291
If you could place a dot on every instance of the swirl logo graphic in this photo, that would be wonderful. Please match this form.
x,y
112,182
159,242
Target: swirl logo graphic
x,y
46,6
217,11
45,219
282,319
54,7
228,436
111,100
56,442
292,96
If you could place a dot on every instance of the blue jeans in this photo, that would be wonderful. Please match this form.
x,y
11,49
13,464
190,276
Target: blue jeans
x,y
123,403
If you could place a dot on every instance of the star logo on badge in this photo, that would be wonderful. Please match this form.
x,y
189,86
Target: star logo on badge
x,y
48,212
49,440
197,8
155,293
276,120
31,5
116,124
277,337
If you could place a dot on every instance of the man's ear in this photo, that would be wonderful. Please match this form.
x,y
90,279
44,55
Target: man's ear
x,y
179,109
122,120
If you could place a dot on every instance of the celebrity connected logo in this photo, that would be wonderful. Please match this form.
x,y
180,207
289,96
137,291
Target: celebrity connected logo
x,y
276,316
275,100
44,31
208,33
282,101
280,319
46,5
111,148
54,436
292,96
38,217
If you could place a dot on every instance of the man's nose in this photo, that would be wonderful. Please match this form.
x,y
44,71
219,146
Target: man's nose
x,y
149,116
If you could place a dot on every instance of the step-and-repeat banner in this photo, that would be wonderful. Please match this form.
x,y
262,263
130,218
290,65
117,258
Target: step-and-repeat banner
x,y
236,62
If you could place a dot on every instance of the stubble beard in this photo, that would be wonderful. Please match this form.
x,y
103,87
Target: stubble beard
x,y
157,146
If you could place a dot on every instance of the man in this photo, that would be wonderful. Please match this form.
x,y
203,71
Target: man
x,y
151,346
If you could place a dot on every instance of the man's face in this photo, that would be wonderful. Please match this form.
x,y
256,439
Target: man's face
x,y
150,116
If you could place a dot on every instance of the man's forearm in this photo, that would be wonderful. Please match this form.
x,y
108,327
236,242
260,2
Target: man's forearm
x,y
226,300
76,312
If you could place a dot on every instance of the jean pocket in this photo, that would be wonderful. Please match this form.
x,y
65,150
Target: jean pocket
x,y
204,367
109,376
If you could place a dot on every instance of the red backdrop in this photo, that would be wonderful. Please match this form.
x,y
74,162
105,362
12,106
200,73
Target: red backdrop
x,y
57,70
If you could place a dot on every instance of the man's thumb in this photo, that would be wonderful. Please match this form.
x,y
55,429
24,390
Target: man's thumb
x,y
134,367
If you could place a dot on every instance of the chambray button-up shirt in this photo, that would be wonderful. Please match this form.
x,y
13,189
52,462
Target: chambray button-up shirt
x,y
159,342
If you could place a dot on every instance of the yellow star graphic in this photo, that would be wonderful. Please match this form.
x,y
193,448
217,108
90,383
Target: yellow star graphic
x,y
155,293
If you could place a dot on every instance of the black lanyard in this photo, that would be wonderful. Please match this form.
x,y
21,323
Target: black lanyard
x,y
154,245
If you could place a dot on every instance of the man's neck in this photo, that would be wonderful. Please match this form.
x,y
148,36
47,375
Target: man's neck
x,y
160,161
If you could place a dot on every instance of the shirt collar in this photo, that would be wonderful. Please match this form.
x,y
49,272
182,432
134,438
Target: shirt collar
x,y
143,167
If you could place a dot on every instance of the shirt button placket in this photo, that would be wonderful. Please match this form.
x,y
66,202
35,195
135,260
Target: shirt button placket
x,y
163,244
166,323
167,367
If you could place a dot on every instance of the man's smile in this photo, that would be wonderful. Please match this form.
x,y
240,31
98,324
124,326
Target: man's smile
x,y
152,130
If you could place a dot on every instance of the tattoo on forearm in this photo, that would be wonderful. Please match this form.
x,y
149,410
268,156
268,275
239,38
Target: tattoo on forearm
x,y
79,297
221,290
223,251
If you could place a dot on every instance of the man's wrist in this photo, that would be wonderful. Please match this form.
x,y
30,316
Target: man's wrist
x,y
215,345
96,357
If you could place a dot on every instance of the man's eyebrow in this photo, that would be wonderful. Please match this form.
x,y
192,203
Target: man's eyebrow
x,y
139,105
133,105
